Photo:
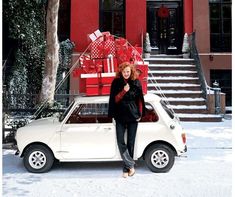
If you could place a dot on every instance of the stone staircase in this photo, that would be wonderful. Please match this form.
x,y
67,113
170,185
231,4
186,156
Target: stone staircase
x,y
177,79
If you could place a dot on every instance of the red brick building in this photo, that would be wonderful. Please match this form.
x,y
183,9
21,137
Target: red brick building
x,y
166,22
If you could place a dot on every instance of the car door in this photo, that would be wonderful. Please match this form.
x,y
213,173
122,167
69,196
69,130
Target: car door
x,y
88,133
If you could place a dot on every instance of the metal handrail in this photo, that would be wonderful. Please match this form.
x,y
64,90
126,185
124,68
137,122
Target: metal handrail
x,y
195,56
206,90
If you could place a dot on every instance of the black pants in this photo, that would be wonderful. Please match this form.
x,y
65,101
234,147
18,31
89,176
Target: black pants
x,y
126,149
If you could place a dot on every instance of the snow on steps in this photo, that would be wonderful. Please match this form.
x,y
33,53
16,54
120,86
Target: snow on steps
x,y
172,78
175,92
165,59
171,71
187,106
174,85
200,117
171,65
178,80
185,100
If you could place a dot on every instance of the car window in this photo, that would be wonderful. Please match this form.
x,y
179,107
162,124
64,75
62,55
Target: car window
x,y
90,113
66,111
168,110
150,114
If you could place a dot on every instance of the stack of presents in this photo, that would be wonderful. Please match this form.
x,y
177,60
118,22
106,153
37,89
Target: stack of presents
x,y
97,69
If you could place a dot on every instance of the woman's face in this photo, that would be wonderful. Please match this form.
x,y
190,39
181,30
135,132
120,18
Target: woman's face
x,y
126,73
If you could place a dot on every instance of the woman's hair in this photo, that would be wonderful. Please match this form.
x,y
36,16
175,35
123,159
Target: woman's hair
x,y
122,66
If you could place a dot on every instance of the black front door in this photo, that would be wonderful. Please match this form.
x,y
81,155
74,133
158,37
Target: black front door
x,y
164,25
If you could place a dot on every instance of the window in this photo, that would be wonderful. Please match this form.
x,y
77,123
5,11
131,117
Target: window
x,y
90,113
150,114
168,110
112,16
64,20
220,25
224,78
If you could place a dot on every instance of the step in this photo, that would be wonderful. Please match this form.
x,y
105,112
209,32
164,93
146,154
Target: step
x,y
174,86
172,73
177,93
152,55
172,67
185,101
156,60
179,79
199,117
189,109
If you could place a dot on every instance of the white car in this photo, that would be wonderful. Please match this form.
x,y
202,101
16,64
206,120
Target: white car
x,y
85,133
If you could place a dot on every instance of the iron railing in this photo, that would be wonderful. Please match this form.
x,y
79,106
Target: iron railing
x,y
16,115
205,88
194,54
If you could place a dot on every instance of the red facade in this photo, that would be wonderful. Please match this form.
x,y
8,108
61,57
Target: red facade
x,y
85,20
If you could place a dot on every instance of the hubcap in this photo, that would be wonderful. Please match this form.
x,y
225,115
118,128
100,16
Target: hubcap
x,y
37,159
160,159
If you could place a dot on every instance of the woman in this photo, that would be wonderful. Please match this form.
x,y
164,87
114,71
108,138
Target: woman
x,y
126,106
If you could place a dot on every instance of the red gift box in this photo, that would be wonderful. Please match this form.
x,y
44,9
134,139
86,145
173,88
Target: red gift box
x,y
110,65
92,65
142,70
109,48
97,48
99,35
98,83
124,54
77,72
137,54
121,43
98,65
101,49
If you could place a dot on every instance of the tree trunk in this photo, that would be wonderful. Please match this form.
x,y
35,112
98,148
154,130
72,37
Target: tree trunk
x,y
52,53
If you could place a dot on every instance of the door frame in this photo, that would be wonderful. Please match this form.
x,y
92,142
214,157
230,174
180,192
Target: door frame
x,y
177,4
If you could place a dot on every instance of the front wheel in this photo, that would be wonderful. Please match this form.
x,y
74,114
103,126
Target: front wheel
x,y
38,159
159,158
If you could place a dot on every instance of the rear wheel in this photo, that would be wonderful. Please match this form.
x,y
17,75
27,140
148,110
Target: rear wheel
x,y
38,159
159,158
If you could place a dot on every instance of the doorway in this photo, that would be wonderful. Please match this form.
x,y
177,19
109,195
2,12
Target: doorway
x,y
165,26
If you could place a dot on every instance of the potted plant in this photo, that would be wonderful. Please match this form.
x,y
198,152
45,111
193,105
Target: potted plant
x,y
185,47
147,46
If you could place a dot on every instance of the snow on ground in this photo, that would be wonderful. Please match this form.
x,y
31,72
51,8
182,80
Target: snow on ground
x,y
205,172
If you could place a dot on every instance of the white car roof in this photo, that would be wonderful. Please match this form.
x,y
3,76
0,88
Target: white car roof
x,y
104,99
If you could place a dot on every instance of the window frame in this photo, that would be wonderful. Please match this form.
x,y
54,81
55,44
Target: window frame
x,y
152,111
112,10
95,114
220,41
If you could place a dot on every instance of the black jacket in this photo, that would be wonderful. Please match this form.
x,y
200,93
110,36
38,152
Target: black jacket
x,y
127,109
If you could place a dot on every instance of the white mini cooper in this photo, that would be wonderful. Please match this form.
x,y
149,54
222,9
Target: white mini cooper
x,y
85,133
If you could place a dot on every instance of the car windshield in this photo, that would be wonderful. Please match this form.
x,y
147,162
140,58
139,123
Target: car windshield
x,y
66,112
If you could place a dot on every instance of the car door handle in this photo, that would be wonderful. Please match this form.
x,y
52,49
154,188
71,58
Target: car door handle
x,y
107,129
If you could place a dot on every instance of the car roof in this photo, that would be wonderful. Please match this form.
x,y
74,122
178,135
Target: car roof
x,y
104,99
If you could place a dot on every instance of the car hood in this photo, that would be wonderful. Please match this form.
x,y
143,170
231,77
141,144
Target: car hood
x,y
44,121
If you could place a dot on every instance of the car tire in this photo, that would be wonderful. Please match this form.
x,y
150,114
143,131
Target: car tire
x,y
159,158
38,159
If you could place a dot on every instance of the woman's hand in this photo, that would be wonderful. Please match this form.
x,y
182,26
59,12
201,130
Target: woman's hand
x,y
138,119
127,87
